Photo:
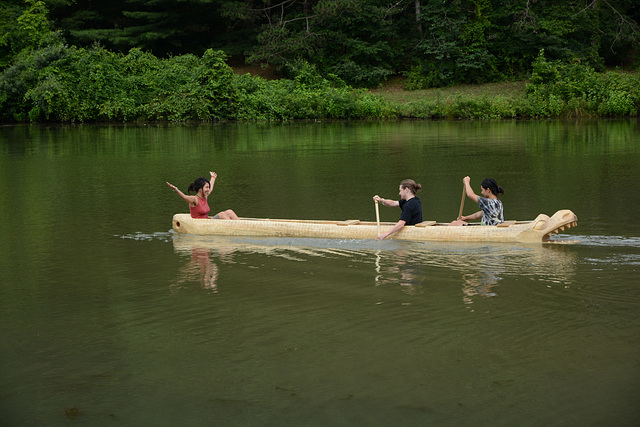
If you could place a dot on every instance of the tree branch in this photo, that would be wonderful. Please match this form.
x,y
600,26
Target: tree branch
x,y
622,21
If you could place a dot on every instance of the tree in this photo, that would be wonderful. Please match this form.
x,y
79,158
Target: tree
x,y
567,29
355,40
164,27
455,44
474,41
22,29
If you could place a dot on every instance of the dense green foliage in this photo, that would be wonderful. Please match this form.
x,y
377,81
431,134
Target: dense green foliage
x,y
22,30
565,89
46,79
433,42
62,83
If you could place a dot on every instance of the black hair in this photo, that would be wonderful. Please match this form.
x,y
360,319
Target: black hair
x,y
196,185
492,185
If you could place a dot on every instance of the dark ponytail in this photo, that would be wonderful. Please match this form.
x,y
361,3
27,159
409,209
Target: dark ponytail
x,y
197,185
492,186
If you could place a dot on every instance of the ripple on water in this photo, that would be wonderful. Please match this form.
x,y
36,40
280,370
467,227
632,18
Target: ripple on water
x,y
139,236
608,241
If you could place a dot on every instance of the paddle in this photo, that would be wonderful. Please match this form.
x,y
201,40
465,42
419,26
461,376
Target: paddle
x,y
377,215
464,195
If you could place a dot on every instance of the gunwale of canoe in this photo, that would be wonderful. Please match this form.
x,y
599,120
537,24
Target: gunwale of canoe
x,y
537,230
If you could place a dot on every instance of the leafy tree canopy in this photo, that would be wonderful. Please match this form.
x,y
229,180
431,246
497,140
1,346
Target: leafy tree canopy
x,y
360,42
22,29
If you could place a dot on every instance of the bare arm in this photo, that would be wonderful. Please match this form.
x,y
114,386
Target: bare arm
x,y
211,182
192,200
477,215
393,229
386,202
470,194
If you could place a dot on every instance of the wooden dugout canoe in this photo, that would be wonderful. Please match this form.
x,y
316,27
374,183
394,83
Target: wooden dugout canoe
x,y
538,230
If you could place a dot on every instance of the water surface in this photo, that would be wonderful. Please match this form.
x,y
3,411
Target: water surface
x,y
109,317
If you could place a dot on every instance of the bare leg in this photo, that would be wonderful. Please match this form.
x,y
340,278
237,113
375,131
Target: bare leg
x,y
232,214
228,214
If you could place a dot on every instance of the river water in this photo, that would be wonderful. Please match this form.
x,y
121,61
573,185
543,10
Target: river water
x,y
110,318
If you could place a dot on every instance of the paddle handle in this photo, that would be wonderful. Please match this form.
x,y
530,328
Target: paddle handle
x,y
464,196
377,215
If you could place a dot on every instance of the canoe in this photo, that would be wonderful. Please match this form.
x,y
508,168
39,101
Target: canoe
x,y
537,230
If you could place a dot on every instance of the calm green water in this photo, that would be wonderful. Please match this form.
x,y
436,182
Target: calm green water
x,y
109,318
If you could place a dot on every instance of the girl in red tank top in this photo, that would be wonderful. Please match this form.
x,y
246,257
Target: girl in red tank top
x,y
201,210
198,204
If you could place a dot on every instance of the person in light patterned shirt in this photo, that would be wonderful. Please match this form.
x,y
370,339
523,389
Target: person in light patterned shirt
x,y
491,210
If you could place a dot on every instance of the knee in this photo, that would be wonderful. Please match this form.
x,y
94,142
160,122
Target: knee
x,y
228,214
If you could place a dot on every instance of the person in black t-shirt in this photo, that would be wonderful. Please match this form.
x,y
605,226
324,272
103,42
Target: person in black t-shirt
x,y
409,203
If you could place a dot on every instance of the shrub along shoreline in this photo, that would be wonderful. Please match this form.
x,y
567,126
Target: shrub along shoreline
x,y
60,83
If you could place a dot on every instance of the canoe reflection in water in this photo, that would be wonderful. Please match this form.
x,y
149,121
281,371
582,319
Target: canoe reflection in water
x,y
407,269
415,267
479,283
397,267
483,267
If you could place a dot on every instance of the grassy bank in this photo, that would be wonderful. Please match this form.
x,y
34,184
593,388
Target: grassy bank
x,y
555,90
487,101
394,92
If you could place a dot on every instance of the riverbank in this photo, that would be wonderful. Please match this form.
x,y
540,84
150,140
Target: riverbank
x,y
394,90
555,91
72,85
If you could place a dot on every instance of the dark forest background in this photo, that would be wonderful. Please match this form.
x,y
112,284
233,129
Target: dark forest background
x,y
363,42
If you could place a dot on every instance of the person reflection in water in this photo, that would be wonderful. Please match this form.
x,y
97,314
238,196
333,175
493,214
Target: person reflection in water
x,y
409,203
198,204
201,268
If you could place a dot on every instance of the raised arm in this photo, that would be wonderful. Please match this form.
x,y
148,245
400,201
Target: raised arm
x,y
467,184
386,202
211,182
192,200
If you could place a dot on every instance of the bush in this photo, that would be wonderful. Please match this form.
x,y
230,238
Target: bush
x,y
69,84
60,83
563,89
307,96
